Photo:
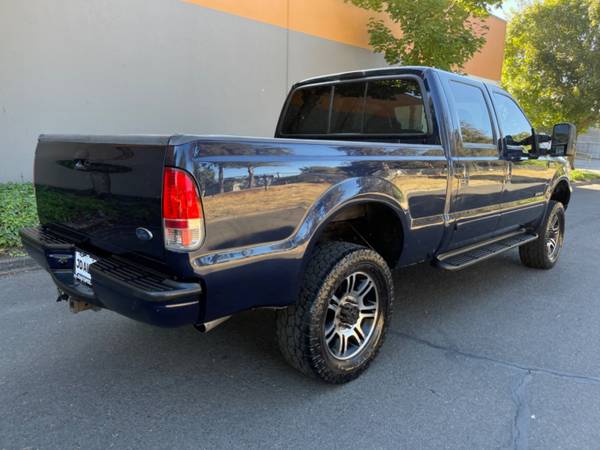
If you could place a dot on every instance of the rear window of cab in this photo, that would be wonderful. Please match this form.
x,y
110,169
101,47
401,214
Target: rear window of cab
x,y
385,107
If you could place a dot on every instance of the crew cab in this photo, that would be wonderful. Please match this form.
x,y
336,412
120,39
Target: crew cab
x,y
368,171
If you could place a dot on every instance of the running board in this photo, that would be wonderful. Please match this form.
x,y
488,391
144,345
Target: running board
x,y
467,256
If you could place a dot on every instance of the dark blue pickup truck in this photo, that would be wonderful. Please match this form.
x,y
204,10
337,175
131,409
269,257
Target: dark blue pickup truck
x,y
368,171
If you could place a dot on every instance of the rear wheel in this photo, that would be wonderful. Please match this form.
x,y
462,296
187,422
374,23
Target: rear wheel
x,y
338,324
543,253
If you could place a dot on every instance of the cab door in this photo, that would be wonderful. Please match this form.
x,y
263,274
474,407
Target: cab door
x,y
479,171
523,200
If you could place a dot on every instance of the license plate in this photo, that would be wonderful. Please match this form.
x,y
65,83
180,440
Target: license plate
x,y
83,261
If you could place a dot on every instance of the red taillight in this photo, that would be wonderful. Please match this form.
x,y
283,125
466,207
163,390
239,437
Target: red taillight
x,y
182,211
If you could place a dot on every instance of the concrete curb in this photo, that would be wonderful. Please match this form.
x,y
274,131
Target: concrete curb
x,y
14,264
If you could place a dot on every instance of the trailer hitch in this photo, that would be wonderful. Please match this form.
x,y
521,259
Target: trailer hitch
x,y
75,305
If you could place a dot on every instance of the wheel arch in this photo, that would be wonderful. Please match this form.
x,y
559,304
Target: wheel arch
x,y
561,191
364,209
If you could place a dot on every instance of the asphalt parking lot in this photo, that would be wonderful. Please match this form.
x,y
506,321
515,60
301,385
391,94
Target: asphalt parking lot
x,y
495,356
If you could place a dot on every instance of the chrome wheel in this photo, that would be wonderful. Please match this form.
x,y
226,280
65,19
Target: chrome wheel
x,y
554,237
352,313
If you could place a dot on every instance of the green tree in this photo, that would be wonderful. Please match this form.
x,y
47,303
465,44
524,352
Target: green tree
x,y
552,62
438,33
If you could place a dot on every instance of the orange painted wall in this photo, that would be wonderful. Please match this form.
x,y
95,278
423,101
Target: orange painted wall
x,y
274,12
487,63
339,21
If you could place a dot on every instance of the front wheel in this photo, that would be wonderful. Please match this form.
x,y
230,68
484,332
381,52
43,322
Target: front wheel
x,y
543,253
338,324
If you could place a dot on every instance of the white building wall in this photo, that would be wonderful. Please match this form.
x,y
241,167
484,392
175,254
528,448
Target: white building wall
x,y
160,66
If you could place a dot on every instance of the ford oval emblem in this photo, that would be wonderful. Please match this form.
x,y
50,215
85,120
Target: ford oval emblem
x,y
143,234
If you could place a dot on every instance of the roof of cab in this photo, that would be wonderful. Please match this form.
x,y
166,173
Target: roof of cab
x,y
383,71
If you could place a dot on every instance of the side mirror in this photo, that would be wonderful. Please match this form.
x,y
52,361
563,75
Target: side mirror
x,y
511,149
542,143
543,138
563,140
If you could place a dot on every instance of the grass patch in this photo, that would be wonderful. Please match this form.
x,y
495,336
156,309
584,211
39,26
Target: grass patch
x,y
17,210
585,175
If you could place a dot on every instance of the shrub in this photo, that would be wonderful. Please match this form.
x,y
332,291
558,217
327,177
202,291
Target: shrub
x,y
584,175
17,210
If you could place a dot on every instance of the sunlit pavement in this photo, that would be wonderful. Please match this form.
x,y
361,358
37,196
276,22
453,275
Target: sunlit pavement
x,y
497,355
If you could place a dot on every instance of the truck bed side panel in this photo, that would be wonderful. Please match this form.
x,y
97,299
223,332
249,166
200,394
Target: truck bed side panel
x,y
264,198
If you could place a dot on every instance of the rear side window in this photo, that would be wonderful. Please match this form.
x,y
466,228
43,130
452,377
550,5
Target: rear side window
x,y
394,107
474,116
308,111
379,107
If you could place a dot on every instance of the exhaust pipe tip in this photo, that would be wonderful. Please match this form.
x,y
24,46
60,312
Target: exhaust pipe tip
x,y
207,326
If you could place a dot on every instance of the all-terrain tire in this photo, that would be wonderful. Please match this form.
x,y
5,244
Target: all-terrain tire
x,y
300,327
543,253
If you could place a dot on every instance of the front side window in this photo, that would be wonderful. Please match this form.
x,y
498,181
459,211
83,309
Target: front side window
x,y
515,126
473,114
388,107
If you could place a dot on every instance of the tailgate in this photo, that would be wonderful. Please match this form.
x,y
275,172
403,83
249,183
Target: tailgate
x,y
101,189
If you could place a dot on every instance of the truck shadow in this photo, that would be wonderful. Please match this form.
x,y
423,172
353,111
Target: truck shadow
x,y
235,374
244,350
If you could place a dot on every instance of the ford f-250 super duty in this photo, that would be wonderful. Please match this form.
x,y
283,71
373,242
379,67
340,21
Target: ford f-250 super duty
x,y
368,171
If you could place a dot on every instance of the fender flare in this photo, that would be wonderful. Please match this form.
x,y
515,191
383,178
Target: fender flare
x,y
554,184
350,192
562,177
